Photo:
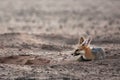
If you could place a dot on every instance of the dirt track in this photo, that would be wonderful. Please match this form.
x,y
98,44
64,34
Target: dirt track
x,y
37,38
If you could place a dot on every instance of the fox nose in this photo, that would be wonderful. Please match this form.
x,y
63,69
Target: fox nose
x,y
72,54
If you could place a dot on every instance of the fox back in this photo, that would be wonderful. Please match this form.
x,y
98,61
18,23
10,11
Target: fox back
x,y
98,53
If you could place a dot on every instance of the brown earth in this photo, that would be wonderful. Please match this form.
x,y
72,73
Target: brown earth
x,y
37,38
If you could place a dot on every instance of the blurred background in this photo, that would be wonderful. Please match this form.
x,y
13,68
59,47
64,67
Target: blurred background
x,y
74,17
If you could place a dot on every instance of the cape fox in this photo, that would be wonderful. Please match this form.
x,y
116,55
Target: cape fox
x,y
86,52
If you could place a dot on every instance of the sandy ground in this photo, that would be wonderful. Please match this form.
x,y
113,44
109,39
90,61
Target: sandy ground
x,y
37,38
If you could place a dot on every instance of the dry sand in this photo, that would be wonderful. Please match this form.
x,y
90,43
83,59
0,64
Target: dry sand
x,y
37,38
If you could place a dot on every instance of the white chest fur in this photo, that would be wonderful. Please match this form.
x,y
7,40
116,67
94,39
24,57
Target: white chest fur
x,y
82,53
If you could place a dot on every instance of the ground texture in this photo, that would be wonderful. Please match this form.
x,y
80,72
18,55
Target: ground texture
x,y
37,38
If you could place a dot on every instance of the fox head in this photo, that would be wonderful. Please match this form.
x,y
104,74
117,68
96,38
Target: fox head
x,y
83,47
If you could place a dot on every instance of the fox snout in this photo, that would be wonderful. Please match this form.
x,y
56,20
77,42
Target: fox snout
x,y
75,53
78,52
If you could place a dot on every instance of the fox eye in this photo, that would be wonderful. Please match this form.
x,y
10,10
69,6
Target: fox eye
x,y
77,50
83,44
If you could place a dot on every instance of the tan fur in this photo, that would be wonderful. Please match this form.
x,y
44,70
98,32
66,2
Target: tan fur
x,y
88,53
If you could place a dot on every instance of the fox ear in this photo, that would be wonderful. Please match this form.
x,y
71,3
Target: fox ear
x,y
89,40
81,40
